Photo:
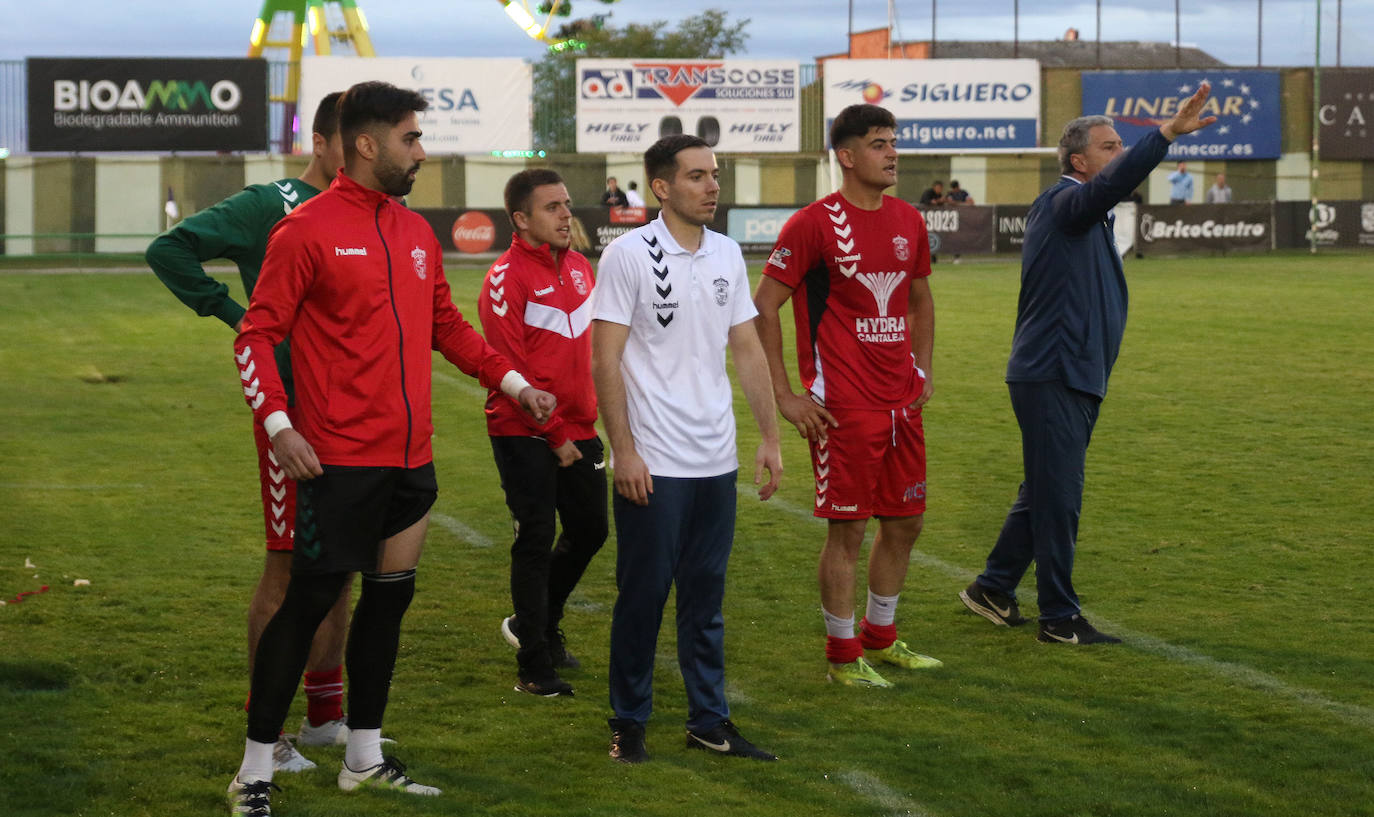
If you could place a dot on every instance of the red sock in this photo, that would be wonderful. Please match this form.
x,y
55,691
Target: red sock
x,y
842,650
877,636
324,696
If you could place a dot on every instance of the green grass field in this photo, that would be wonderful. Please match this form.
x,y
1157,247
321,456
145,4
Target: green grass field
x,y
1226,535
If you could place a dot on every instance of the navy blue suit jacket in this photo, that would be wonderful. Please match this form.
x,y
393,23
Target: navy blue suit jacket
x,y
1072,311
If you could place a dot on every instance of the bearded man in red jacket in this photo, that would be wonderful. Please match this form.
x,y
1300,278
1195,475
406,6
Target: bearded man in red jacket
x,y
357,282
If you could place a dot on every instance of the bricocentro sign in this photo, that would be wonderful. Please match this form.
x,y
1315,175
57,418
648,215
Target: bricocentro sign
x,y
108,105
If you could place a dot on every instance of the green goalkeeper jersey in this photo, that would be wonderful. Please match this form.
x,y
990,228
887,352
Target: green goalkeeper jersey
x,y
235,229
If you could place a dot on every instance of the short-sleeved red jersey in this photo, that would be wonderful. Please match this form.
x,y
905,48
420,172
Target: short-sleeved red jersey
x,y
851,271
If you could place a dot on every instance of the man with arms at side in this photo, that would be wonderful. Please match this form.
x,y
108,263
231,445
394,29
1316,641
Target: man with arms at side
x,y
236,229
1219,192
671,297
855,265
1069,323
536,310
632,197
356,280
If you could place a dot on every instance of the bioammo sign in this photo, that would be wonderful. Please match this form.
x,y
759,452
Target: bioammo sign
x,y
106,105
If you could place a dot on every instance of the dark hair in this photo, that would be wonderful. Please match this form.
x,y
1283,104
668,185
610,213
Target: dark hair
x,y
954,184
369,104
660,160
521,186
857,121
326,121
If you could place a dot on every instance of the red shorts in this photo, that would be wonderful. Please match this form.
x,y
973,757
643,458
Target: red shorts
x,y
278,495
874,464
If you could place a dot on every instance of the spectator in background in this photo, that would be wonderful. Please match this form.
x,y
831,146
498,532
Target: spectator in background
x,y
1219,193
1070,319
934,196
958,195
614,196
1180,185
632,195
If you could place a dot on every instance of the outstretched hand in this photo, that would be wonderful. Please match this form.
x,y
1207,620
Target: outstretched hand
x,y
1187,119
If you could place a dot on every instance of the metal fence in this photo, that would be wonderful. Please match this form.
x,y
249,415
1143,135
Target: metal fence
x,y
14,119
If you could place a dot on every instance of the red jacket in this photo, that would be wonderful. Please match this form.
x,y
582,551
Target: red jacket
x,y
538,315
357,282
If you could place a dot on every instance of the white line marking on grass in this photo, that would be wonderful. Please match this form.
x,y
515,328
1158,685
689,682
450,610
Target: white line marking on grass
x,y
1238,673
460,530
464,383
876,791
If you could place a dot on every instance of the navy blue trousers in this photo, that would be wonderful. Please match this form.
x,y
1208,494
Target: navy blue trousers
x,y
683,537
1042,526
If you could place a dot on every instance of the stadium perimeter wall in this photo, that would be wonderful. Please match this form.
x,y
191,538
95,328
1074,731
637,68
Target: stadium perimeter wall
x,y
115,203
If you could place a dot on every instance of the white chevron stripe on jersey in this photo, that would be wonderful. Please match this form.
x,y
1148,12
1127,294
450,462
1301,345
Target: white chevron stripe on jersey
x,y
834,208
581,318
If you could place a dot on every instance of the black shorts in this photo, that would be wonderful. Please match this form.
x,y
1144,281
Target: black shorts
x,y
345,513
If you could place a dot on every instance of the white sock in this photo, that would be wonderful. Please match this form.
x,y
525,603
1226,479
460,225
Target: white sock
x,y
837,627
882,610
257,761
364,749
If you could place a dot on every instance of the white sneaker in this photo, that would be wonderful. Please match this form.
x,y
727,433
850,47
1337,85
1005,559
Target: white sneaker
x,y
251,799
509,634
389,774
329,733
285,758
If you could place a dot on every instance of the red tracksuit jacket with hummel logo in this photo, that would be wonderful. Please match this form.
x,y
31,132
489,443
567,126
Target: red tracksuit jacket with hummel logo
x,y
356,280
539,315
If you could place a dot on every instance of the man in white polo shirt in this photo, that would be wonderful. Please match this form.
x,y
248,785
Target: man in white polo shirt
x,y
671,296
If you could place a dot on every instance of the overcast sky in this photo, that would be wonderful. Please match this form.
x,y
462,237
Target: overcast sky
x,y
800,29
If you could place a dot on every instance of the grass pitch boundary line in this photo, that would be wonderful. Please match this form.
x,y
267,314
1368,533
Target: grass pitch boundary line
x,y
463,532
876,791
1231,671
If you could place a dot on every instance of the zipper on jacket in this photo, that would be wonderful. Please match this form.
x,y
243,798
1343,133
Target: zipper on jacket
x,y
400,331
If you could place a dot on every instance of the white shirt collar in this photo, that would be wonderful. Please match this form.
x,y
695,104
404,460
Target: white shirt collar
x,y
670,245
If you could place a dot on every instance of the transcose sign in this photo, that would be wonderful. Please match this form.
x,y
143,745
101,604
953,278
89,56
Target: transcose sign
x,y
734,105
107,105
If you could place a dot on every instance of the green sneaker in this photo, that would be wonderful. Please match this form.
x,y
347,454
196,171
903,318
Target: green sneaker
x,y
857,673
900,655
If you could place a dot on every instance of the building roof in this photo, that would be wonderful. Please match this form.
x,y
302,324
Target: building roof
x,y
1082,53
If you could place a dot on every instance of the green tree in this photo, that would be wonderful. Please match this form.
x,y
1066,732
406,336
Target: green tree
x,y
709,35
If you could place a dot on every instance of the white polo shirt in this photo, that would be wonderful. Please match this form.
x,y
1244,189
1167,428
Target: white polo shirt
x,y
680,307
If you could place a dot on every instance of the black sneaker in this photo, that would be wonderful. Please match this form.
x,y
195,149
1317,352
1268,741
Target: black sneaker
x,y
551,687
627,741
1073,630
558,651
995,606
725,739
251,799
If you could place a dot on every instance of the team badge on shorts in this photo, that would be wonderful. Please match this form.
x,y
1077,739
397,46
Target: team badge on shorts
x,y
722,291
579,281
901,247
417,256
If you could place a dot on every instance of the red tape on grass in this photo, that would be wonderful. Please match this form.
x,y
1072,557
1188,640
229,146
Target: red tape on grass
x,y
21,596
